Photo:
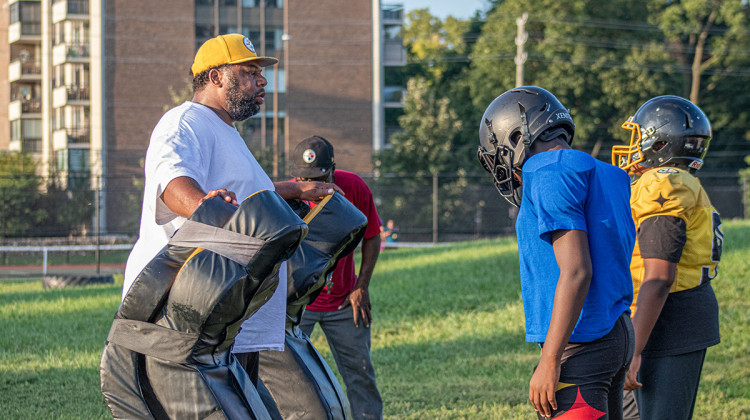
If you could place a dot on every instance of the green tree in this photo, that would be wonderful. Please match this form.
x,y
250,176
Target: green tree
x,y
438,136
68,211
700,35
436,65
575,50
20,191
603,60
429,128
710,40
436,48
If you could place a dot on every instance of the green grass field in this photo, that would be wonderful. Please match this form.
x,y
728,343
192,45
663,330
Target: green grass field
x,y
447,338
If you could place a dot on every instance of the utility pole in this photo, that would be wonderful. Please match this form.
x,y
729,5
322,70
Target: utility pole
x,y
434,208
521,55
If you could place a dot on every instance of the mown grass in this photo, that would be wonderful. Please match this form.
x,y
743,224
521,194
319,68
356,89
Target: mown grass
x,y
447,338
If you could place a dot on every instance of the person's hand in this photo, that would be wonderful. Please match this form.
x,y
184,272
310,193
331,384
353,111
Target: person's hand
x,y
631,378
542,386
228,196
316,191
359,299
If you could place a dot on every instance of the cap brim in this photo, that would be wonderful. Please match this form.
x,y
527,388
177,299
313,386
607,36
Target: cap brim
x,y
308,172
262,61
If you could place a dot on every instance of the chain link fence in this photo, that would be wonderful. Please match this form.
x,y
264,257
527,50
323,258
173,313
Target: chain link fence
x,y
442,208
450,207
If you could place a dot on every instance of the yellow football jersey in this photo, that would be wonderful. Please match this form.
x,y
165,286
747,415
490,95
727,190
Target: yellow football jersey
x,y
668,191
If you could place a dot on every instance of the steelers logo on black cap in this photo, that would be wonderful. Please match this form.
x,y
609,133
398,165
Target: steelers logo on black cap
x,y
309,156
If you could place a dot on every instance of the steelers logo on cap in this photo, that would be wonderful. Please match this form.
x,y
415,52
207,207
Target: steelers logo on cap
x,y
248,44
309,156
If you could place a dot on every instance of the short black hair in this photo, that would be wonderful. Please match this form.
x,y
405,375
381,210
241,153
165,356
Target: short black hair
x,y
201,79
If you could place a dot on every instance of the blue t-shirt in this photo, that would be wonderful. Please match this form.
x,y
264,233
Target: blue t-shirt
x,y
568,189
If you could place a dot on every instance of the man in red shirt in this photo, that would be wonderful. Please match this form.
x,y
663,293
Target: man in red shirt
x,y
343,310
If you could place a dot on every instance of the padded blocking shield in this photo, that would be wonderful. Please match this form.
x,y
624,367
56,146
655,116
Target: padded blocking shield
x,y
168,352
298,381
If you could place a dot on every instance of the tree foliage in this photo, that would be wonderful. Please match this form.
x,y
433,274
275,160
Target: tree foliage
x,y
429,128
33,207
21,196
601,59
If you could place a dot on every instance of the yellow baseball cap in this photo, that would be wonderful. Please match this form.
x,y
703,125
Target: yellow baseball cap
x,y
227,49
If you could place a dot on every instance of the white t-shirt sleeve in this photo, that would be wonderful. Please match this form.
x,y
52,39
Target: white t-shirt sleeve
x,y
174,151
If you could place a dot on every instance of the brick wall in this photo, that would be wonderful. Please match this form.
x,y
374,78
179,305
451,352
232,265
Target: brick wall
x,y
149,47
330,77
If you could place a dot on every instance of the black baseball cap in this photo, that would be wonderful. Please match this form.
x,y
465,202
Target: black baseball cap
x,y
313,158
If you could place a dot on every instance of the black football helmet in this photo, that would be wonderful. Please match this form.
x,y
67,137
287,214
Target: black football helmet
x,y
510,125
665,131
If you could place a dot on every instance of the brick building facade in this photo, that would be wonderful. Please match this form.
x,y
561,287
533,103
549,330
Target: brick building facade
x,y
110,69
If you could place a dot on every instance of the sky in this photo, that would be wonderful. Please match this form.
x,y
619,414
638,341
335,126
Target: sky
x,y
441,8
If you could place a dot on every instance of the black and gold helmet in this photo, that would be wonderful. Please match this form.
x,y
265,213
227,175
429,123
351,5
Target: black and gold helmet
x,y
510,125
665,131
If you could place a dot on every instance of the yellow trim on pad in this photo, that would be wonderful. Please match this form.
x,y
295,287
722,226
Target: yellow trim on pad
x,y
315,210
196,252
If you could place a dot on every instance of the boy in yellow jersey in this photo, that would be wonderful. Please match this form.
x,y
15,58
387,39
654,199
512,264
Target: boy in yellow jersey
x,y
678,247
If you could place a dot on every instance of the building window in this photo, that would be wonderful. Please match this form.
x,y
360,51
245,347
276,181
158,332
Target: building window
x,y
29,14
61,161
15,130
270,76
78,160
32,128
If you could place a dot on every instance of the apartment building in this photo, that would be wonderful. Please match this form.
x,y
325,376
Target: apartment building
x,y
87,80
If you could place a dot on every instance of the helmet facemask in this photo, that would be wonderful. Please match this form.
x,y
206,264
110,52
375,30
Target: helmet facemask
x,y
500,165
625,156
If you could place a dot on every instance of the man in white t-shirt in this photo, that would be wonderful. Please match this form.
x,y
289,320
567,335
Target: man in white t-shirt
x,y
196,148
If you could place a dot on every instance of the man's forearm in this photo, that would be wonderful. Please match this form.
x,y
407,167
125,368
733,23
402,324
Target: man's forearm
x,y
370,253
183,195
570,296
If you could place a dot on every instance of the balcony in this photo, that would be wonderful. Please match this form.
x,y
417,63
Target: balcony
x,y
26,32
71,137
394,96
24,70
394,52
19,108
70,53
70,10
33,146
70,95
393,13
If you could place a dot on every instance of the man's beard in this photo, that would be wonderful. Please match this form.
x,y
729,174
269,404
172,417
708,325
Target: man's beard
x,y
240,106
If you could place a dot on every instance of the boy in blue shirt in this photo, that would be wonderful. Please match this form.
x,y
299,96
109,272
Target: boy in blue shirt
x,y
575,239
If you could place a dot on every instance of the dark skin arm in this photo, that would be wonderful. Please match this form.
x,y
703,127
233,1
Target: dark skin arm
x,y
359,298
658,277
571,249
306,190
183,195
